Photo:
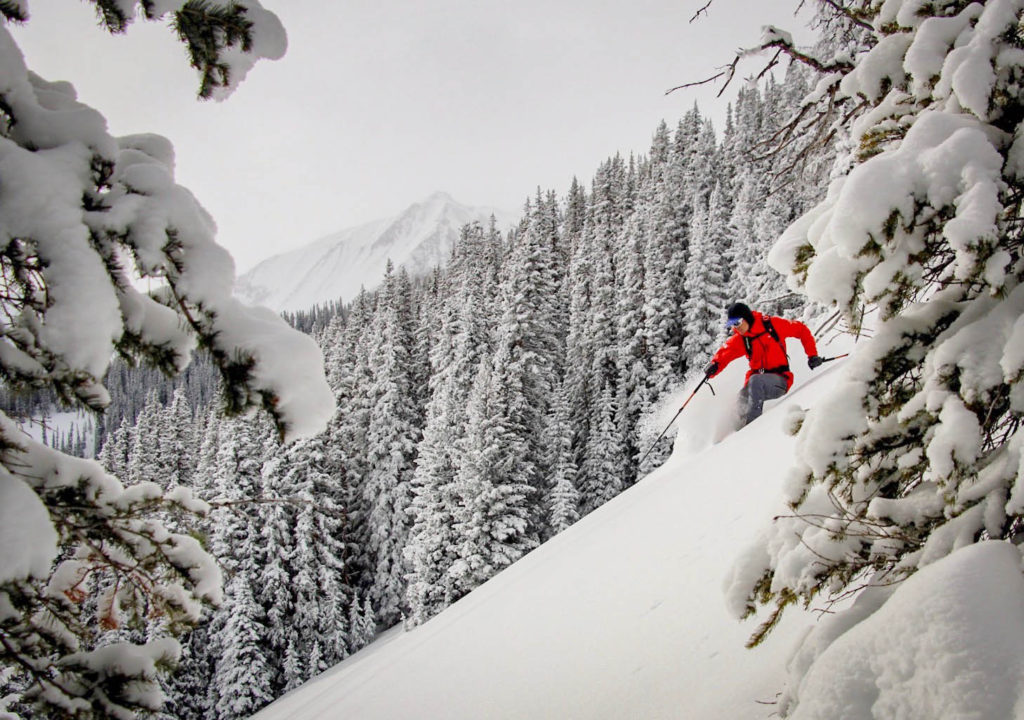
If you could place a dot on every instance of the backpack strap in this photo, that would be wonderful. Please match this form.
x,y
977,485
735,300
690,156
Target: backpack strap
x,y
748,340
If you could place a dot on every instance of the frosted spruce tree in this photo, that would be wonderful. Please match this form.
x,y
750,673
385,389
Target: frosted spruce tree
x,y
347,351
81,213
918,450
323,599
242,537
705,277
500,515
392,437
147,461
604,452
178,442
492,518
664,211
464,337
562,499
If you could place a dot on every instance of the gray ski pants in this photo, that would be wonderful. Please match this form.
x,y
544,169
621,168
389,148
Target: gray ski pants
x,y
760,387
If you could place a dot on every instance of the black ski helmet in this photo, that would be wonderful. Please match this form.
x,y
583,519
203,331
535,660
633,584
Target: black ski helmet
x,y
739,310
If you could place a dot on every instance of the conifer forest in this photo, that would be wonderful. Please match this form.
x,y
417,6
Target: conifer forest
x,y
222,502
481,410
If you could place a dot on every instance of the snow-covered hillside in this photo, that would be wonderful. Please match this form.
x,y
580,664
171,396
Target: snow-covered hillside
x,y
623,615
337,266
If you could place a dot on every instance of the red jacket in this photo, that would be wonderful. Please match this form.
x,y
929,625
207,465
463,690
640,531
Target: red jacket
x,y
766,353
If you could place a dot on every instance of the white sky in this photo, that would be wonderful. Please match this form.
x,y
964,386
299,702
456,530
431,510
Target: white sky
x,y
378,103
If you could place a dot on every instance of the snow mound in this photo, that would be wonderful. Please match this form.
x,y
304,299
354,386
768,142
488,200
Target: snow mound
x,y
945,645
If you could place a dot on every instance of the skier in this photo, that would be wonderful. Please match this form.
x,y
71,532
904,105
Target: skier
x,y
763,340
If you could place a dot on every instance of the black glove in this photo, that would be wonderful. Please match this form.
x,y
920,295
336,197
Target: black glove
x,y
814,361
711,369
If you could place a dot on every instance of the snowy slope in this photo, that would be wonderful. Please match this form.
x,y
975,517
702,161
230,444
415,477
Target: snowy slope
x,y
623,615
338,265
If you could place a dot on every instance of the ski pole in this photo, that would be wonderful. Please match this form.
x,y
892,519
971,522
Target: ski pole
x,y
837,357
678,413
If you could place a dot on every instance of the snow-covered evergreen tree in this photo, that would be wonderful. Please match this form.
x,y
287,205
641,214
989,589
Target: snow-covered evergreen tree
x,y
604,451
493,525
464,339
392,438
243,681
635,361
241,632
705,277
177,441
669,217
146,461
84,212
563,498
918,450
323,597
348,345
116,451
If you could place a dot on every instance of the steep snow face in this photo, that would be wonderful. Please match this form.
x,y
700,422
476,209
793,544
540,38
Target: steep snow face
x,y
337,266
624,615
621,616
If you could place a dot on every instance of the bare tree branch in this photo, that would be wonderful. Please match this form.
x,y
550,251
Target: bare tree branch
x,y
728,71
702,11
847,13
782,45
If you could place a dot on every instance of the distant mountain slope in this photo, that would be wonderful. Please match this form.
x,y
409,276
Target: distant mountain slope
x,y
338,265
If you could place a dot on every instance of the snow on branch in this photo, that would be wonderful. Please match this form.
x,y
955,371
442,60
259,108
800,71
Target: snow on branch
x,y
82,215
917,451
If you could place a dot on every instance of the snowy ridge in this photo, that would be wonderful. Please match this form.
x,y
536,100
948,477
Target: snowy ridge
x,y
337,266
623,615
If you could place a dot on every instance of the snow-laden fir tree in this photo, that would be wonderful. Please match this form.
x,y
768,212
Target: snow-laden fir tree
x,y
115,454
392,438
502,454
244,674
665,217
464,339
178,440
562,501
348,347
272,577
147,463
605,446
322,596
579,342
492,522
635,360
918,451
431,537
243,680
81,214
705,278
529,343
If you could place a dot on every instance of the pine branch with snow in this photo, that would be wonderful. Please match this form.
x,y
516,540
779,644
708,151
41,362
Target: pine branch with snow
x,y
917,453
82,213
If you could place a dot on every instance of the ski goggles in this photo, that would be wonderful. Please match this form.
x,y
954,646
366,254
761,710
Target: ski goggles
x,y
732,322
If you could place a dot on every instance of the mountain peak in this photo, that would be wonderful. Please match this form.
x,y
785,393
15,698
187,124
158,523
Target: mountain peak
x,y
336,267
439,196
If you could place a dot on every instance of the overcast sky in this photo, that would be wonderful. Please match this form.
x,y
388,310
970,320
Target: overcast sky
x,y
378,103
